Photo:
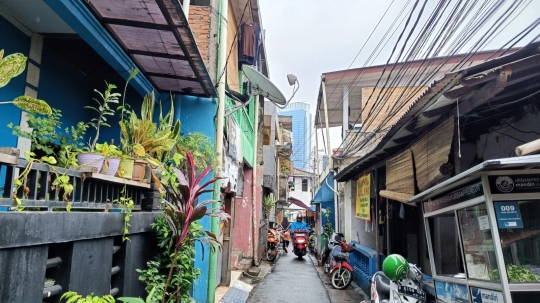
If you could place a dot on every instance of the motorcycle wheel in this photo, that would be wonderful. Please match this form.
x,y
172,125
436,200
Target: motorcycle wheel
x,y
341,278
271,254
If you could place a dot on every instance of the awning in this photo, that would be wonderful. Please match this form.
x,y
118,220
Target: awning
x,y
325,192
157,37
298,203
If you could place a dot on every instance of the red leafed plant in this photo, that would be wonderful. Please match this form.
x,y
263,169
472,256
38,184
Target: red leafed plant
x,y
182,208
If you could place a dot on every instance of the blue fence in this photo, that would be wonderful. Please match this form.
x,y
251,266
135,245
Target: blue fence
x,y
364,262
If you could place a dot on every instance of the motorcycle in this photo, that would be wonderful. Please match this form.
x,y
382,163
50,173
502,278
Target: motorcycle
x,y
337,263
333,241
272,243
408,290
311,245
300,242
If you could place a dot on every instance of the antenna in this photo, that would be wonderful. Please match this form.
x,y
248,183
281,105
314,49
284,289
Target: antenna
x,y
264,87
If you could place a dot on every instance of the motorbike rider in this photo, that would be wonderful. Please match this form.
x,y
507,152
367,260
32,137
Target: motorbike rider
x,y
298,225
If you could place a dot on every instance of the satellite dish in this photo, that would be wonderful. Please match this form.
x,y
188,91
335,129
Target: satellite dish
x,y
260,85
263,86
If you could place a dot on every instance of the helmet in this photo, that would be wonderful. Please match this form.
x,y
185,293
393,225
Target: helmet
x,y
395,267
299,218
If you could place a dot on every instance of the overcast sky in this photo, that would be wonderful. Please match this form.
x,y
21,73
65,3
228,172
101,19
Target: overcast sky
x,y
310,37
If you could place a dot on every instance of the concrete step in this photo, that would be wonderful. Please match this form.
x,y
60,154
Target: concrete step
x,y
244,264
236,257
254,271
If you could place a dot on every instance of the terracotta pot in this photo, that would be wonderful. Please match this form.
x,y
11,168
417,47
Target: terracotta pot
x,y
93,160
126,168
111,166
139,170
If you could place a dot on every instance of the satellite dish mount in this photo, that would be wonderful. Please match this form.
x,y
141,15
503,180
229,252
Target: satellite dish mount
x,y
262,86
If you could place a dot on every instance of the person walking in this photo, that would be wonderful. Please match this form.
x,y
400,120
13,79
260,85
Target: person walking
x,y
285,234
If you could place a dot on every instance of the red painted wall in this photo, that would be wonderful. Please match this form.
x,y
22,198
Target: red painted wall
x,y
241,223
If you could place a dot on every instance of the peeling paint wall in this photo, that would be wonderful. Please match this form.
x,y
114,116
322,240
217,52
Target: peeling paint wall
x,y
241,223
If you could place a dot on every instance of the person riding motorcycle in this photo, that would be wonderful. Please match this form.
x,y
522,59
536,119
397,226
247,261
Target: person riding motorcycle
x,y
298,225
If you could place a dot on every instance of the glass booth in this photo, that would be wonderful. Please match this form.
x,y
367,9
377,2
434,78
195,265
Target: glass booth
x,y
483,233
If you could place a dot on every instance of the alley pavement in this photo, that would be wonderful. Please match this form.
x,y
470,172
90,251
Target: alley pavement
x,y
291,280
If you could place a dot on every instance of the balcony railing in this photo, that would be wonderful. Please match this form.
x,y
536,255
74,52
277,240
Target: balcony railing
x,y
90,190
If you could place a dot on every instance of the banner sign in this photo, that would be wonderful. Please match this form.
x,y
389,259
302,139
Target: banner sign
x,y
480,295
363,205
514,184
461,195
508,215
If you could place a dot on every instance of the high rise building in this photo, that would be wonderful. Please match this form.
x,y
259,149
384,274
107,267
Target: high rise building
x,y
302,133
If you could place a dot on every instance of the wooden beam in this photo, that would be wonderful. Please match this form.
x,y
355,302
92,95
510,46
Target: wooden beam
x,y
149,74
139,24
158,55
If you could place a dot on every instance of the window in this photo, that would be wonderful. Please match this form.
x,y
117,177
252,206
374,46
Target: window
x,y
519,229
304,184
445,244
480,257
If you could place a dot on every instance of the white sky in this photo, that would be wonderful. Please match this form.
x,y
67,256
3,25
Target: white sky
x,y
311,37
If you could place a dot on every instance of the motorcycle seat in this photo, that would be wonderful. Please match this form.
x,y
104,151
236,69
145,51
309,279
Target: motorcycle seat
x,y
383,285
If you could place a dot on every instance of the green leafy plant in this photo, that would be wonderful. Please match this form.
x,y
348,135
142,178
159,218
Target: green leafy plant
x,y
268,203
73,297
126,205
61,180
327,227
199,145
516,274
48,138
184,271
10,67
103,110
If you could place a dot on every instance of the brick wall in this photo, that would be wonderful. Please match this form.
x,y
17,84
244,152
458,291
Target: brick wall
x,y
199,21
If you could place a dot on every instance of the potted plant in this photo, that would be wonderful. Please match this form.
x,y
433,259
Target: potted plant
x,y
112,158
90,158
144,140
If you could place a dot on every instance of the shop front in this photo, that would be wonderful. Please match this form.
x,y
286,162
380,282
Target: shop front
x,y
483,232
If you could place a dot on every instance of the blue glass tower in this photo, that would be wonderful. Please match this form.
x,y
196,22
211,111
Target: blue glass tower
x,y
302,133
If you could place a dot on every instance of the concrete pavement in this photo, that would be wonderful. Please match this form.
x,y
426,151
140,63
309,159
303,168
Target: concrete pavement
x,y
291,281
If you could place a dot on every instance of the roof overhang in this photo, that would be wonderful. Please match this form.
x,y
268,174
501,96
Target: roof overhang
x,y
435,103
157,37
357,79
298,203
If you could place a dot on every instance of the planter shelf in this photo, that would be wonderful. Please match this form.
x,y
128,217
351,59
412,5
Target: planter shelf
x,y
102,177
9,155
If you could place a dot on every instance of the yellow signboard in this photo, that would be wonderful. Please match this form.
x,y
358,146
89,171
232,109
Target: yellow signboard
x,y
363,205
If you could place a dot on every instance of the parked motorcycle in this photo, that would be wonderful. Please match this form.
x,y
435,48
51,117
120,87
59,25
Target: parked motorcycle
x,y
300,242
312,239
333,241
337,263
399,282
272,243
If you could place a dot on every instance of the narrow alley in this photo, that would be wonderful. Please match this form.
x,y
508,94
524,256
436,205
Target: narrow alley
x,y
291,280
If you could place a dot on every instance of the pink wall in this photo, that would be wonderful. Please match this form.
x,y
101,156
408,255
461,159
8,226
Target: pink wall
x,y
241,223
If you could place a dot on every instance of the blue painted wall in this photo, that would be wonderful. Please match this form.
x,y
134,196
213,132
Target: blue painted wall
x,y
12,41
197,115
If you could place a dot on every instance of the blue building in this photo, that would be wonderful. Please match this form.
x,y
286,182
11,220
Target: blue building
x,y
302,133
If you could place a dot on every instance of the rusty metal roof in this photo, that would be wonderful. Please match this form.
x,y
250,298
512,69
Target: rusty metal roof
x,y
157,37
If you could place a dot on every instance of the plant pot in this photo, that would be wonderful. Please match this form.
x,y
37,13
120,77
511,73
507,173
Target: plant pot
x,y
126,168
110,166
91,160
139,170
47,284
